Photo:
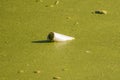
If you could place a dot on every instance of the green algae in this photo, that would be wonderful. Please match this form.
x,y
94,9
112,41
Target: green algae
x,y
93,55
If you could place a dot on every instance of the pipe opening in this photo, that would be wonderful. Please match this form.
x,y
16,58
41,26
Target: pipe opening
x,y
50,36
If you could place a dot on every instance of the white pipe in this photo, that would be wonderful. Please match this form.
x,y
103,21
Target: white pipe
x,y
53,36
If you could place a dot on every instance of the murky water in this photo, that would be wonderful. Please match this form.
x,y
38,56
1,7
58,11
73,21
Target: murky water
x,y
93,55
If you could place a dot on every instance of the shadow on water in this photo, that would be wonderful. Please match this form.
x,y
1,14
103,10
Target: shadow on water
x,y
42,41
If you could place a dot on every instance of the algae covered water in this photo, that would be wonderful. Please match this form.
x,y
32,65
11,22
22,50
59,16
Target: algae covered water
x,y
93,55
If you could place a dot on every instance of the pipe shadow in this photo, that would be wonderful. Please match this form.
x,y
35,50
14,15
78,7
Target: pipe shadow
x,y
42,41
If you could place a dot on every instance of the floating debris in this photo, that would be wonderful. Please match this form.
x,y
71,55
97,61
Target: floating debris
x,y
57,2
57,77
27,64
21,71
88,51
100,12
64,69
76,23
53,36
68,17
37,71
51,5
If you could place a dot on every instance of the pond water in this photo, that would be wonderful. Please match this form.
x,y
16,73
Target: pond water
x,y
93,55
